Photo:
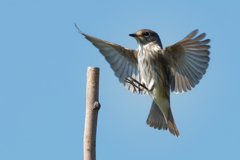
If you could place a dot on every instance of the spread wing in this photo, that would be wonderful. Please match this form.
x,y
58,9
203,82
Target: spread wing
x,y
123,60
188,61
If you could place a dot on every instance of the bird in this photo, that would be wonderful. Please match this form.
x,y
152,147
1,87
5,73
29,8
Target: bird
x,y
177,68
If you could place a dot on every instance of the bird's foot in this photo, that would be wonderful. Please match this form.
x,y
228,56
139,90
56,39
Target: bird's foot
x,y
136,84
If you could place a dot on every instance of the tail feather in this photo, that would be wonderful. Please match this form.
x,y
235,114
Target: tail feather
x,y
172,125
156,119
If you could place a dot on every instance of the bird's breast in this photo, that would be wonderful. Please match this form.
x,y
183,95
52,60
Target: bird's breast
x,y
150,68
151,71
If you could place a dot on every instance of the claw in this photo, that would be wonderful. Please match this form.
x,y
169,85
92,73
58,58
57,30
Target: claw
x,y
130,81
138,85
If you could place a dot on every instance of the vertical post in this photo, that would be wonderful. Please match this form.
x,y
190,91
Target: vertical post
x,y
92,107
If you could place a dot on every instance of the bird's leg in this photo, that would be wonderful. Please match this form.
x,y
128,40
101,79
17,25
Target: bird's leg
x,y
136,84
141,88
128,80
151,85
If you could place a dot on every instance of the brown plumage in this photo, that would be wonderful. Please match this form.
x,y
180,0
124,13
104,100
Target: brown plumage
x,y
178,67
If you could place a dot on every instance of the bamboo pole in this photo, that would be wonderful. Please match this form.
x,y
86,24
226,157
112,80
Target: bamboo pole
x,y
92,107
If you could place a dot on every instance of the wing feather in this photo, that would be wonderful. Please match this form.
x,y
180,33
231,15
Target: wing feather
x,y
188,61
123,60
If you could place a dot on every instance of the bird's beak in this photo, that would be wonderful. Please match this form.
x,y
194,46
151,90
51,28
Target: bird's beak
x,y
133,35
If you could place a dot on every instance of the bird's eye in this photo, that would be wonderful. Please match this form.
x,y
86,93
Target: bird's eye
x,y
146,34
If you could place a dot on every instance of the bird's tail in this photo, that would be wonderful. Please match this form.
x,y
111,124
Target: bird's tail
x,y
156,119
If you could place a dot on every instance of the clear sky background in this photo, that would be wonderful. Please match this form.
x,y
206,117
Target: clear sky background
x,y
43,64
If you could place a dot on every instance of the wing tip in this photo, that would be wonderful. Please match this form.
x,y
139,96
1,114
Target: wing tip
x,y
79,29
194,33
196,30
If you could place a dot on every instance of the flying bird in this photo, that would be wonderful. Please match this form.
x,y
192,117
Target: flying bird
x,y
178,68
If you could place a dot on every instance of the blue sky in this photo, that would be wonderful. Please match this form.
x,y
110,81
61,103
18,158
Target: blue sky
x,y
43,64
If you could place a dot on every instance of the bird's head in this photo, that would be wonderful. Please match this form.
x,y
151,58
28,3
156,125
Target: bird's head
x,y
145,36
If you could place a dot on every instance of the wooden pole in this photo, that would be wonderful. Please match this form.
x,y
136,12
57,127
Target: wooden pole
x,y
92,107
